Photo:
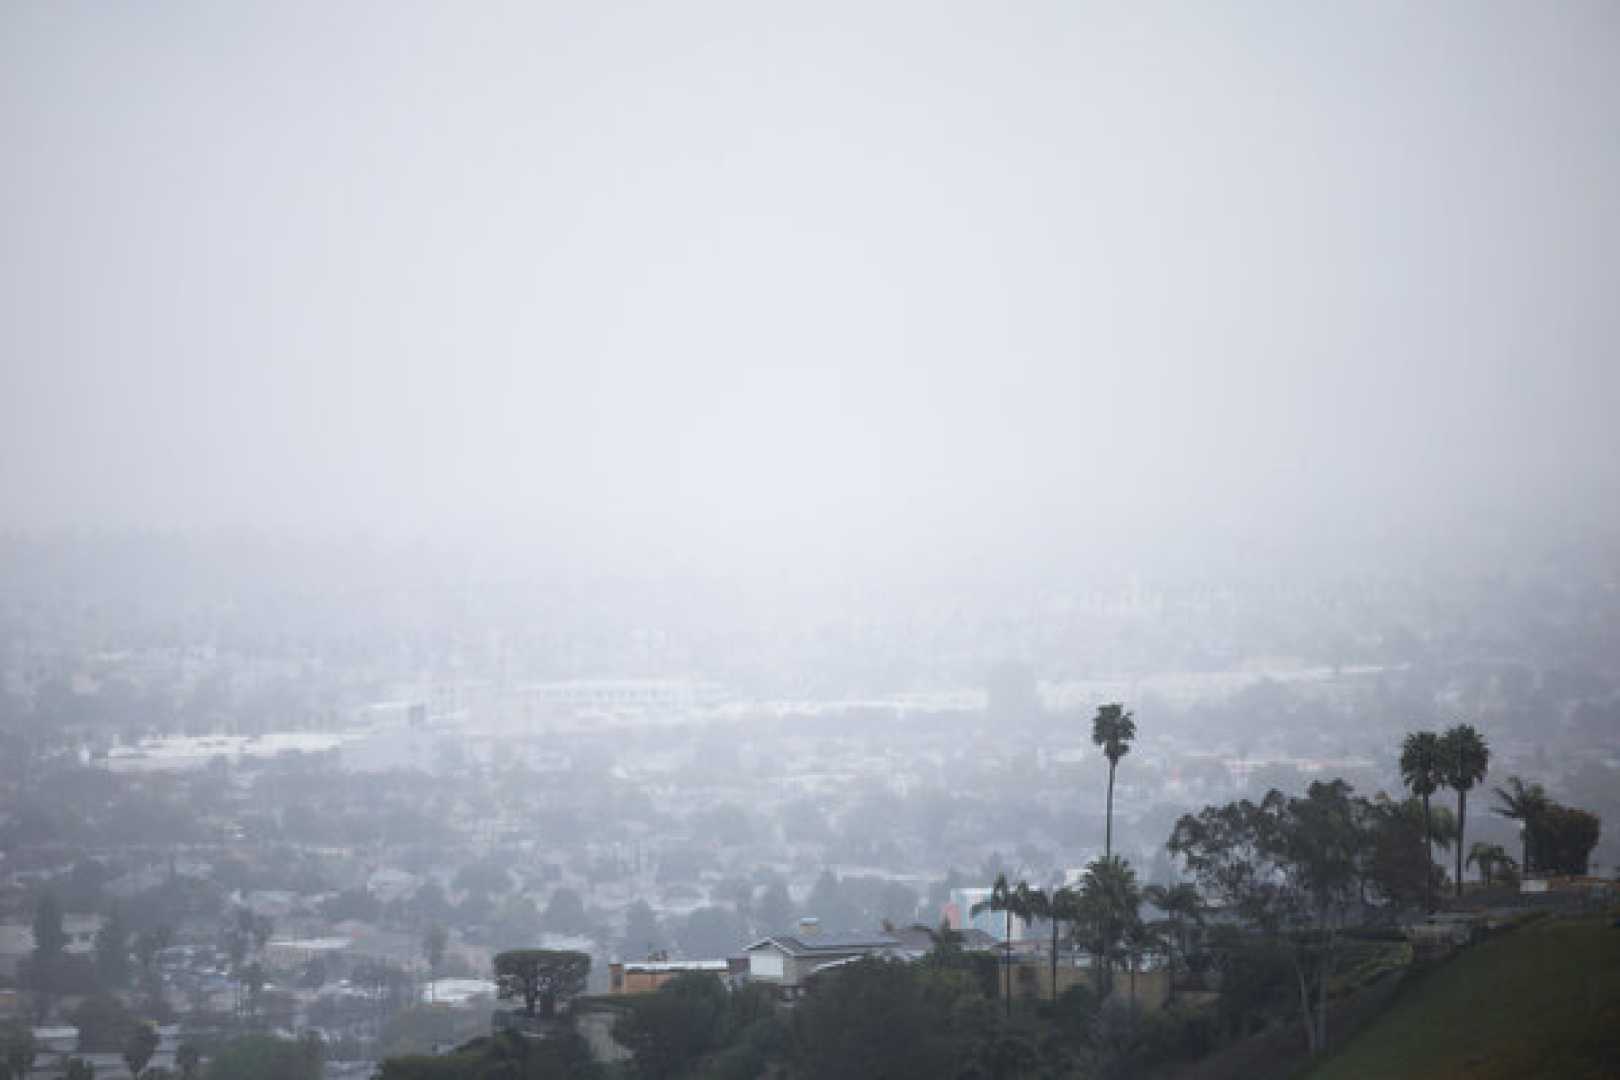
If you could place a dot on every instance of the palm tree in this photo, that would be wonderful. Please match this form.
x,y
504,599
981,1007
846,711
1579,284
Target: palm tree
x,y
1420,772
1064,907
1002,898
1488,857
1465,758
1140,941
1524,803
1111,893
1057,907
1113,729
1182,906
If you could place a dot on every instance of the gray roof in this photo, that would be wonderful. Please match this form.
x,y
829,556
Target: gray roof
x,y
824,943
920,940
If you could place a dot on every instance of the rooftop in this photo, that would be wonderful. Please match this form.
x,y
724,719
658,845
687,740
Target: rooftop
x,y
829,942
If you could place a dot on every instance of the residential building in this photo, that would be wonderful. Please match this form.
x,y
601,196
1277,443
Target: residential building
x,y
645,976
788,960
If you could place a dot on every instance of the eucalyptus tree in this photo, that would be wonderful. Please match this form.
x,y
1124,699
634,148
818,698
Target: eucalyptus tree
x,y
1291,868
1420,772
1113,729
1465,758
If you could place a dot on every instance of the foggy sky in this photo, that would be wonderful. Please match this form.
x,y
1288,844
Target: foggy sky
x,y
815,282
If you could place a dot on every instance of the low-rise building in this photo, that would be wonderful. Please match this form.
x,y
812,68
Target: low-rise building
x,y
645,976
788,960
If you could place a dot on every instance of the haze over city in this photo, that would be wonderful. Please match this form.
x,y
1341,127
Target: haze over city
x,y
628,482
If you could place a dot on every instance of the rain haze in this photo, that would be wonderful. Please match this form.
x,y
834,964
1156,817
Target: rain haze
x,y
647,475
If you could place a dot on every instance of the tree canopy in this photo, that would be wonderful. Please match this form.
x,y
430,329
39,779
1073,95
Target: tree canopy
x,y
540,977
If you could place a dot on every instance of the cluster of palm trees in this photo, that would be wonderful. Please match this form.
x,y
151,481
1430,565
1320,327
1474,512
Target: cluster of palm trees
x,y
1458,759
1104,912
1104,909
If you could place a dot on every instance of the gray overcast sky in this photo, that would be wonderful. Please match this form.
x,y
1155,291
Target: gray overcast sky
x,y
811,280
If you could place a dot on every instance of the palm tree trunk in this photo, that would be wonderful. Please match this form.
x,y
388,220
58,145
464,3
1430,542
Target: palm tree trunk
x,y
1054,956
1172,945
1108,833
1007,957
1462,816
1428,846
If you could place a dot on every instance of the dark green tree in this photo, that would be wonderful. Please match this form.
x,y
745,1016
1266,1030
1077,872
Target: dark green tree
x,y
1112,897
1058,907
670,1030
1465,758
1489,858
1002,899
543,978
1113,729
17,1048
1420,772
1524,803
1292,869
1183,914
561,1056
1565,839
139,1048
873,1019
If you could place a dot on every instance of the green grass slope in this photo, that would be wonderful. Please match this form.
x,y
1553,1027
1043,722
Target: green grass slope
x,y
1542,1001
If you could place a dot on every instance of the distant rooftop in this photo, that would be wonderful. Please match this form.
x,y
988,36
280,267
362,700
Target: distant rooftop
x,y
675,965
827,942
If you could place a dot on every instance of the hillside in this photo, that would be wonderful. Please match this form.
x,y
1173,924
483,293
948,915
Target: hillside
x,y
1543,1001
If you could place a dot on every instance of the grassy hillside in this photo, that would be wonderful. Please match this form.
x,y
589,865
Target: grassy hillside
x,y
1543,1001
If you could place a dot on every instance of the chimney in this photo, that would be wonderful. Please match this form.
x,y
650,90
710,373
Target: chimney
x,y
809,926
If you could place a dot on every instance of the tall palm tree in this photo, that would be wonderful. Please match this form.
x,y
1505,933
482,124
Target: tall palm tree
x,y
1420,772
1005,899
1182,907
1113,729
1524,803
1465,758
1111,892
